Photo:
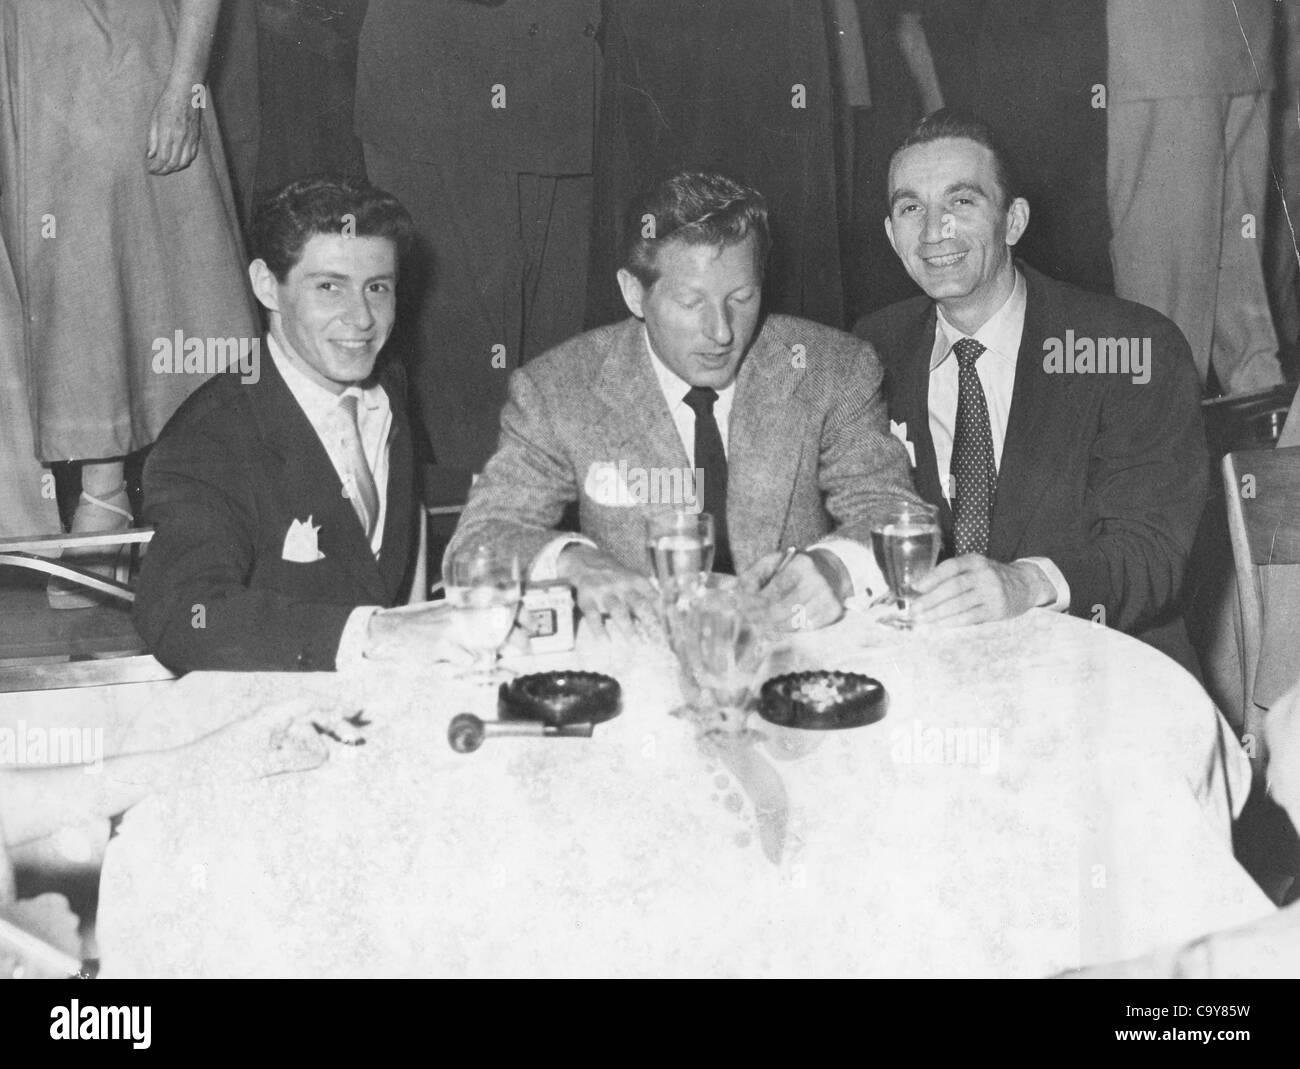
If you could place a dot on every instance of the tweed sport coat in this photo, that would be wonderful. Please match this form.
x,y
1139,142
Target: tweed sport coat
x,y
809,448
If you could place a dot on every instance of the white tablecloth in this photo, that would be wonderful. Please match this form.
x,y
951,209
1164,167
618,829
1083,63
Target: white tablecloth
x,y
1044,793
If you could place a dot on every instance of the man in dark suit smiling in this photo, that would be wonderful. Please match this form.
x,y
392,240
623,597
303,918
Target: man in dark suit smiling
x,y
1072,481
284,504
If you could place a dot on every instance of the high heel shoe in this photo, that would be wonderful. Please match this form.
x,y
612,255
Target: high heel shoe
x,y
109,515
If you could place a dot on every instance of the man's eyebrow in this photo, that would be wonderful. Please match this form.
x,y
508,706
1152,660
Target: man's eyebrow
x,y
965,187
956,187
339,276
901,194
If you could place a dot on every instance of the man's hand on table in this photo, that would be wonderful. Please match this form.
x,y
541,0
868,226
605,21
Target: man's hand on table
x,y
612,599
972,589
808,592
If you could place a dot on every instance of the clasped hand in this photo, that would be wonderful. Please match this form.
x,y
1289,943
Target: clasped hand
x,y
972,589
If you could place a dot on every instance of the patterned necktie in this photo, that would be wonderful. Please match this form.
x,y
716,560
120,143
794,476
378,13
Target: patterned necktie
x,y
711,458
974,468
359,485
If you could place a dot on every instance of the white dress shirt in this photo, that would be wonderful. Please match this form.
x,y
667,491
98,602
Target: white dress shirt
x,y
996,368
375,422
857,559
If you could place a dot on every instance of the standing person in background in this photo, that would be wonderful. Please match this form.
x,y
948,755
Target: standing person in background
x,y
479,117
741,86
1031,69
1188,97
119,224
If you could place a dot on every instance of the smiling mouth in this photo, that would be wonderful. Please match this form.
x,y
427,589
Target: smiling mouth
x,y
353,346
944,261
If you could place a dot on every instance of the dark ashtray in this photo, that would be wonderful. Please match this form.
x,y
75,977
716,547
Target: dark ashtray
x,y
560,698
823,701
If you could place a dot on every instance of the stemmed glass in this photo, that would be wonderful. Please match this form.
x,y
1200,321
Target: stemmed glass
x,y
718,634
484,588
906,543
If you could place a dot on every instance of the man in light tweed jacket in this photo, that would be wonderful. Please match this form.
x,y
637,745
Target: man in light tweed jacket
x,y
786,414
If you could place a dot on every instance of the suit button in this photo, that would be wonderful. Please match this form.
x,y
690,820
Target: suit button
x,y
589,30
534,29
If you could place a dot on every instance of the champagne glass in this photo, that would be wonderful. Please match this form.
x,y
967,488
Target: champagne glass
x,y
679,543
484,588
906,543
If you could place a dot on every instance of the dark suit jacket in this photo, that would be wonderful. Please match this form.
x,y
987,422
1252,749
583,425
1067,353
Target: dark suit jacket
x,y
232,470
1104,476
426,71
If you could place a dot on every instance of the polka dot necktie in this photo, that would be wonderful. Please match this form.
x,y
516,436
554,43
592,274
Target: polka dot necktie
x,y
711,458
974,468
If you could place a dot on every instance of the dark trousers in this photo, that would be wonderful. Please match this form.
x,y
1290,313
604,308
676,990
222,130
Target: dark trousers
x,y
499,277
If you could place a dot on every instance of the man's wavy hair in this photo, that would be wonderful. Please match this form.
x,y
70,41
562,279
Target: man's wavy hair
x,y
960,123
698,208
285,219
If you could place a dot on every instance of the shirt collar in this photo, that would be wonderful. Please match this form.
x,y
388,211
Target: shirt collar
x,y
1000,335
313,398
674,387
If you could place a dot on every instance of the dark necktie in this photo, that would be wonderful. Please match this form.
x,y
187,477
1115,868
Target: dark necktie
x,y
973,466
711,458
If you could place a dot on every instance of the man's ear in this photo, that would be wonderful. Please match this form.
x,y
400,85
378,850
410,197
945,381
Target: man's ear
x,y
889,233
1017,220
633,292
265,287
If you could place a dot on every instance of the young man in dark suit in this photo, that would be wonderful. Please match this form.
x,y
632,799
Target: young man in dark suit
x,y
1058,431
283,496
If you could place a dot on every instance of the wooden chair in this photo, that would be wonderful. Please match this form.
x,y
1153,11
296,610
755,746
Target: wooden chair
x,y
45,649
1262,497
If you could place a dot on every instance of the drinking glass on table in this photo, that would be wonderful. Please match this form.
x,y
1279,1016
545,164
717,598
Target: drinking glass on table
x,y
717,633
484,588
679,544
906,543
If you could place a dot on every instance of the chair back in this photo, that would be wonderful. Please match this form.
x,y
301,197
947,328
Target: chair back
x,y
1262,496
51,649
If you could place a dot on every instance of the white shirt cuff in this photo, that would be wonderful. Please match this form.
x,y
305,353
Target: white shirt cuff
x,y
547,562
859,562
1054,576
353,641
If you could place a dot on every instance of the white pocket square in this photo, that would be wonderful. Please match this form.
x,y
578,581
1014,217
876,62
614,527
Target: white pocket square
x,y
899,431
300,542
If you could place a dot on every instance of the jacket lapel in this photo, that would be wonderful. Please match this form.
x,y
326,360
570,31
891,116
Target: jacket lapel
x,y
909,402
1033,449
309,485
635,420
395,554
764,448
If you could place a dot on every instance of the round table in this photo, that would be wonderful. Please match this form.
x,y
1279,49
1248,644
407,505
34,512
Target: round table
x,y
1044,793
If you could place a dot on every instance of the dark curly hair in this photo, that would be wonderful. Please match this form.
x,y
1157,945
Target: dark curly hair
x,y
285,219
